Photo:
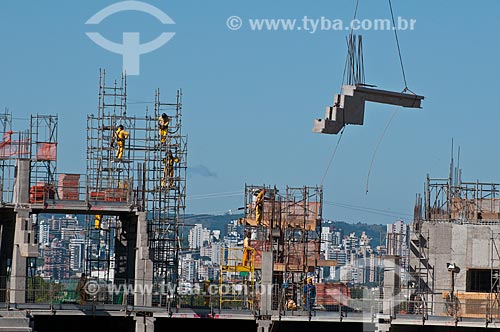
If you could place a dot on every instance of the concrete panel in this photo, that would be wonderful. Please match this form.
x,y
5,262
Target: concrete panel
x,y
143,264
349,106
266,283
22,182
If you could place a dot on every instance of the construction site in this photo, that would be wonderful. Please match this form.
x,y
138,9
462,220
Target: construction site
x,y
132,200
455,257
135,262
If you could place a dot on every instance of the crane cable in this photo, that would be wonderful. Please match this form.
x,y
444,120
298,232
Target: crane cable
x,y
342,83
376,149
404,90
331,158
399,47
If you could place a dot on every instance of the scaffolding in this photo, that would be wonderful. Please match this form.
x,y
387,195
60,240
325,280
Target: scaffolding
x,y
291,228
150,176
237,279
493,304
100,233
166,177
6,162
421,271
110,179
451,200
43,155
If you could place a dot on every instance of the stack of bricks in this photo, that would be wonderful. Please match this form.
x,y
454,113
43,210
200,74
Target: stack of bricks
x,y
68,187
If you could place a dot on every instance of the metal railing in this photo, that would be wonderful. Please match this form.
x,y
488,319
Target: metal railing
x,y
208,294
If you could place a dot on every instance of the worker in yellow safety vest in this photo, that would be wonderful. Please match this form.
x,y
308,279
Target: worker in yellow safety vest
x,y
120,136
97,221
163,122
168,169
247,250
259,205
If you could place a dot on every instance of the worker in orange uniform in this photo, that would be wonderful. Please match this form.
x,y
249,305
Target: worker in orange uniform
x,y
120,136
247,250
163,122
168,169
259,205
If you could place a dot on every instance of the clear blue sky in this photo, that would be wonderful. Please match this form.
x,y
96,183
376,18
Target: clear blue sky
x,y
250,97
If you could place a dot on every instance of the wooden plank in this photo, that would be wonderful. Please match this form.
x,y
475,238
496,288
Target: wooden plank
x,y
327,262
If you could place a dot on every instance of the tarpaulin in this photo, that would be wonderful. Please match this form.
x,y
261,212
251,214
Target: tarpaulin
x,y
46,151
9,148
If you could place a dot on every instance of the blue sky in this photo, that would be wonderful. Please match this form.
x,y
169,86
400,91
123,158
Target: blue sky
x,y
250,97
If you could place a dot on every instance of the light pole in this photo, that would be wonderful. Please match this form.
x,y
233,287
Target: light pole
x,y
453,269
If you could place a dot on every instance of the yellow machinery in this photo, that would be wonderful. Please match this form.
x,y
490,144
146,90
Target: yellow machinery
x,y
237,281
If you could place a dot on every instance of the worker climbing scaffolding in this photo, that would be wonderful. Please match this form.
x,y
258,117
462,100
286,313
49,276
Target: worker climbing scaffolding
x,y
163,122
259,206
168,169
119,137
247,250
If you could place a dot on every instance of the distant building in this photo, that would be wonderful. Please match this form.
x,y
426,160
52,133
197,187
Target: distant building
x,y
188,268
56,262
195,237
76,254
397,244
44,233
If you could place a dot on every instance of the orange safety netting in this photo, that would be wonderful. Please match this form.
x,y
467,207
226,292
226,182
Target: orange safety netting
x,y
9,148
46,151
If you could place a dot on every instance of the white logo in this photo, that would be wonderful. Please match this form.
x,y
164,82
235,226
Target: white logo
x,y
91,287
131,48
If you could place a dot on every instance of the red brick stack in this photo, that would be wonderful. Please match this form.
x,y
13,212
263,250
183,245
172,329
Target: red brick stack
x,y
68,187
41,191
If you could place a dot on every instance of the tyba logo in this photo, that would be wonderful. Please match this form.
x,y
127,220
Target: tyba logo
x,y
131,48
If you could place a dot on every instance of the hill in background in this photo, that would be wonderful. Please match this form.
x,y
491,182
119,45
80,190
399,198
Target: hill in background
x,y
375,231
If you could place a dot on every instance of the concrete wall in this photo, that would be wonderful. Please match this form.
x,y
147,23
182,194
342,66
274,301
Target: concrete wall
x,y
468,246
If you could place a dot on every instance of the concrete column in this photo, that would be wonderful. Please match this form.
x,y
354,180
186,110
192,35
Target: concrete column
x,y
383,323
266,294
24,247
143,265
391,284
24,235
144,324
264,325
21,195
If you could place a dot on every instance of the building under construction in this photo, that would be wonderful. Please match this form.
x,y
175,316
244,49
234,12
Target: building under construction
x,y
288,228
455,248
134,200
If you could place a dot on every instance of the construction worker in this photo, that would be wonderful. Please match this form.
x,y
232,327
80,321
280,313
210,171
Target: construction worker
x,y
120,136
80,289
259,204
247,250
97,221
291,305
163,122
168,169
309,294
